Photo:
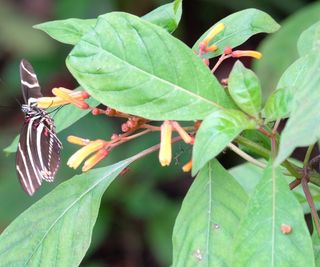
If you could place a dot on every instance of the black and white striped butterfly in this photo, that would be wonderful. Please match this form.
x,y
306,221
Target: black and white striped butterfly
x,y
38,154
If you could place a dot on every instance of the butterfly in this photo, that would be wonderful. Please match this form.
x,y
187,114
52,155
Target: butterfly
x,y
38,153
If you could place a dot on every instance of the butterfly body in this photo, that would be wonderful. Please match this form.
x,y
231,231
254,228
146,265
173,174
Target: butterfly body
x,y
38,154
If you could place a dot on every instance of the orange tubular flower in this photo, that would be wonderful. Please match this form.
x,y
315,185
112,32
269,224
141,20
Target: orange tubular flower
x,y
93,146
246,53
64,96
205,42
184,135
187,167
95,159
165,153
77,140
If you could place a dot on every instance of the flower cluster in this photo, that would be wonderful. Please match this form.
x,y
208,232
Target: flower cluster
x,y
64,96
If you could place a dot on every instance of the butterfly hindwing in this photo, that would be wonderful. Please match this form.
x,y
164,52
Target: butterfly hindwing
x,y
28,173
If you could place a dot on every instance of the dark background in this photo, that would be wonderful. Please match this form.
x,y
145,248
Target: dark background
x,y
138,210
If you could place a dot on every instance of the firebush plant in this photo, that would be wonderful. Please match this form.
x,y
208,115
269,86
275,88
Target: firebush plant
x,y
140,72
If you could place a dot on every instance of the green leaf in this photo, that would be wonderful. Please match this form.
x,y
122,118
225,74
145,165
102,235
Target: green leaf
x,y
142,70
280,49
167,16
244,88
239,27
216,131
208,219
316,246
259,240
303,126
65,117
56,230
248,175
309,40
68,31
12,148
279,104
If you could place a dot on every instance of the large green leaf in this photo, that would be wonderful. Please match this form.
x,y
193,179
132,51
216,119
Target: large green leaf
x,y
244,88
215,133
208,219
139,68
70,31
239,27
279,104
309,40
63,118
303,126
259,240
56,230
280,49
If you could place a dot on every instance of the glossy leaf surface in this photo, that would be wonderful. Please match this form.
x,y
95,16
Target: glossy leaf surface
x,y
215,133
142,70
244,88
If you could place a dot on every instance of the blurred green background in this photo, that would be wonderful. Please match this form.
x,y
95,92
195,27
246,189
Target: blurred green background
x,y
138,210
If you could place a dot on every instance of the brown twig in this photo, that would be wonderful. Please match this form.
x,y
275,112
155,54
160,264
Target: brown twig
x,y
306,190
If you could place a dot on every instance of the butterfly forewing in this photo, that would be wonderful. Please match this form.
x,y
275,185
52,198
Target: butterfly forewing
x,y
29,83
38,154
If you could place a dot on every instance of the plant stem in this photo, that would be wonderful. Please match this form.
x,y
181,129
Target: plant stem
x,y
254,147
308,155
245,156
292,169
220,60
263,152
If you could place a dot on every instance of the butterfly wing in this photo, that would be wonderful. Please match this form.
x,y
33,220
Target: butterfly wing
x,y
29,82
26,165
38,154
48,149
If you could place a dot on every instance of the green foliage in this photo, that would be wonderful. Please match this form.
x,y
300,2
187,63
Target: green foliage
x,y
67,31
228,218
309,40
280,102
239,27
208,219
245,90
70,31
57,229
305,114
216,132
280,49
271,206
119,71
